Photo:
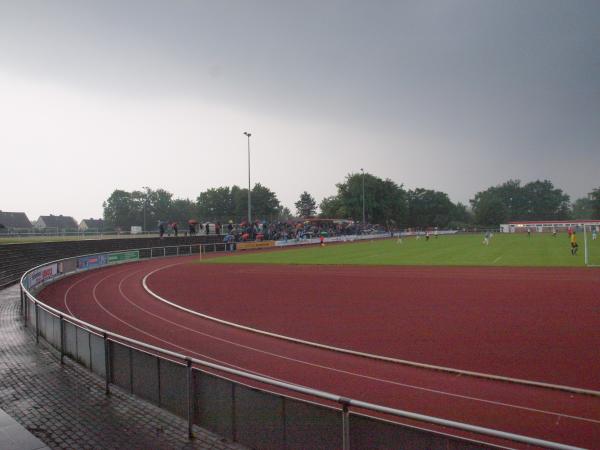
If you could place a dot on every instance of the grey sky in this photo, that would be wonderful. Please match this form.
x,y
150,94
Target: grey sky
x,y
448,95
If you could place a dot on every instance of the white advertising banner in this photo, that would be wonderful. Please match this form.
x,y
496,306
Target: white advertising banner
x,y
42,274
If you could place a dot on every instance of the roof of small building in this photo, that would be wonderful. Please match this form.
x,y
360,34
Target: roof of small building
x,y
61,222
14,220
94,223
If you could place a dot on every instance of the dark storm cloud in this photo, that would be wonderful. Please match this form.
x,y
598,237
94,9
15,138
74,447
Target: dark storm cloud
x,y
517,77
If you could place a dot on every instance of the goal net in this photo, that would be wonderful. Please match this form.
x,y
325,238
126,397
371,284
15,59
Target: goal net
x,y
591,242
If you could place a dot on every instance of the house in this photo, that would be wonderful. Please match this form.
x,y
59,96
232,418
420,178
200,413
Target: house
x,y
14,220
56,222
92,225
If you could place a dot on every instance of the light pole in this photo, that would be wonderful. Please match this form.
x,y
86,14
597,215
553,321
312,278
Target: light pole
x,y
249,201
146,188
363,196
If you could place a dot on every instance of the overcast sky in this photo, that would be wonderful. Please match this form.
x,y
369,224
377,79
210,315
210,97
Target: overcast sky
x,y
448,95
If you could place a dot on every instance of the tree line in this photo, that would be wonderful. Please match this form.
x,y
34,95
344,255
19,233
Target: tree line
x,y
385,203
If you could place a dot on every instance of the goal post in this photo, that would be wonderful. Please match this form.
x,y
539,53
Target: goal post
x,y
591,245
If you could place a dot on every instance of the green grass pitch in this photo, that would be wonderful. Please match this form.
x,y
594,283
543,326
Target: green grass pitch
x,y
541,250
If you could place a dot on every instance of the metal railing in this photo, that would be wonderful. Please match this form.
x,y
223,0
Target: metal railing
x,y
222,399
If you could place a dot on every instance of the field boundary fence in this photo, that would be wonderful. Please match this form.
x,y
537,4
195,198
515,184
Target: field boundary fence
x,y
252,410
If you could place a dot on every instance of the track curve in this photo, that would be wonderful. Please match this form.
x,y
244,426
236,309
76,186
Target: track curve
x,y
113,298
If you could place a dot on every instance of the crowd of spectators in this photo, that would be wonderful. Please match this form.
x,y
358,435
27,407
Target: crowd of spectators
x,y
281,230
292,230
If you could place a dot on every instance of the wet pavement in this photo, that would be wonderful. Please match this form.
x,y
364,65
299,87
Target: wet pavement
x,y
65,406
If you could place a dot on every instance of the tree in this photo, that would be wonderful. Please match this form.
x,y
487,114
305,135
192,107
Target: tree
x,y
306,206
224,204
545,202
460,217
332,208
491,211
159,205
265,205
385,201
183,210
582,208
427,208
595,199
216,205
284,213
537,200
120,210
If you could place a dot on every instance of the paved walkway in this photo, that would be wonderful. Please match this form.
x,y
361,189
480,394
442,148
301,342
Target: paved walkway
x,y
65,406
15,437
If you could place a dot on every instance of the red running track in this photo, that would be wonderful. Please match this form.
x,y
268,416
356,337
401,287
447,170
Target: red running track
x,y
534,324
113,298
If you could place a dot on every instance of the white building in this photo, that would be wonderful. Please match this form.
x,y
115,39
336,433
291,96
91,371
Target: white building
x,y
543,226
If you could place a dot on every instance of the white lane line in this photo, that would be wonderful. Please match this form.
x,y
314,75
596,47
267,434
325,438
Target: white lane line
x,y
311,364
200,355
65,297
452,370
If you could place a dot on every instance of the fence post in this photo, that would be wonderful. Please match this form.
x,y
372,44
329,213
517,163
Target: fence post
x,y
158,377
22,300
586,259
106,363
345,423
26,310
62,339
37,323
190,380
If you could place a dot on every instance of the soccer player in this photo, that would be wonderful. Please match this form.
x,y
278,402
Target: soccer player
x,y
486,239
594,233
574,246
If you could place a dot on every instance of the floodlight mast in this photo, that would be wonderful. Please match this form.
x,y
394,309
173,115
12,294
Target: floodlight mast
x,y
363,199
146,188
249,199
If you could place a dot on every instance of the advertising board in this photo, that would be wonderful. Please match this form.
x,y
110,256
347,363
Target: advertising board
x,y
42,274
254,245
87,262
119,257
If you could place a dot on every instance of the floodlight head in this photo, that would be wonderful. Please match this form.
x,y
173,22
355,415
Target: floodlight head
x,y
247,134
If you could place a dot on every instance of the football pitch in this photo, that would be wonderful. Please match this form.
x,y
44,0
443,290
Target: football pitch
x,y
541,250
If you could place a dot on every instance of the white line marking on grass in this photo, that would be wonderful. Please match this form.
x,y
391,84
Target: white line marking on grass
x,y
497,259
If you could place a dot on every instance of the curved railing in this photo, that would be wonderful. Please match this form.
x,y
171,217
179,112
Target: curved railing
x,y
219,398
